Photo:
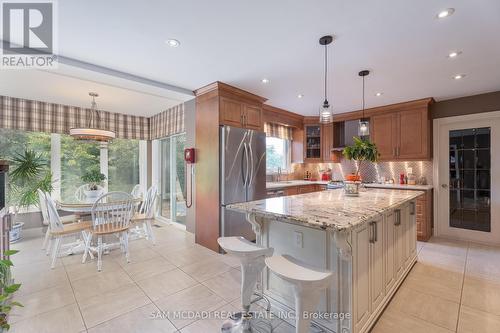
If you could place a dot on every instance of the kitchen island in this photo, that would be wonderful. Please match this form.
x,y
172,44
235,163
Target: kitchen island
x,y
368,242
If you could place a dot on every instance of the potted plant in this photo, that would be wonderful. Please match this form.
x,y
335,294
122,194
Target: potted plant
x,y
94,178
30,172
7,289
360,151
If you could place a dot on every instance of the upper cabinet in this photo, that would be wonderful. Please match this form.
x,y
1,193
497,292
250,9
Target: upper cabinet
x,y
403,135
313,143
240,114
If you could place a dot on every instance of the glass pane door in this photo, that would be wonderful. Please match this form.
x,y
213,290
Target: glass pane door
x,y
173,203
470,188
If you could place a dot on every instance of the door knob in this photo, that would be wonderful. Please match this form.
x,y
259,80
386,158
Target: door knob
x,y
444,185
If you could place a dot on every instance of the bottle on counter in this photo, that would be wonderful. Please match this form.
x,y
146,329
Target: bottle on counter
x,y
401,178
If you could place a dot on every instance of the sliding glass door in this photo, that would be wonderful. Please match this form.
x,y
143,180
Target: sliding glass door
x,y
172,173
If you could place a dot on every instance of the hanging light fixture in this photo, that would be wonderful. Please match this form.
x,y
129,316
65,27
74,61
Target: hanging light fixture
x,y
92,132
364,124
325,110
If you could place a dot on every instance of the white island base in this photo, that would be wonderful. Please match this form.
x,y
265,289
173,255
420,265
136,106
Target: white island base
x,y
369,261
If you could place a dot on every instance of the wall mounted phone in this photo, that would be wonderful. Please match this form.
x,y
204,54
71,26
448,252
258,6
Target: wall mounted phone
x,y
189,159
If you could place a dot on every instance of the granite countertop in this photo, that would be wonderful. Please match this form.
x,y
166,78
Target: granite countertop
x,y
400,186
291,183
328,209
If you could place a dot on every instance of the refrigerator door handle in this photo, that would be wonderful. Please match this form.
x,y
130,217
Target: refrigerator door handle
x,y
243,157
250,164
247,162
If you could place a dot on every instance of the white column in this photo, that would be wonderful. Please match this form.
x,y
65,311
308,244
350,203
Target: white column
x,y
143,165
55,164
103,161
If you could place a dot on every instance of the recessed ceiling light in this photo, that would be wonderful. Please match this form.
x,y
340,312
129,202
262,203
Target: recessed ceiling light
x,y
454,54
459,76
379,94
445,13
300,96
265,81
173,42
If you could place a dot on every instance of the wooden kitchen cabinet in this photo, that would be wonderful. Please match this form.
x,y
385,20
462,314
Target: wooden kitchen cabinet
x,y
240,114
312,143
327,142
402,135
424,216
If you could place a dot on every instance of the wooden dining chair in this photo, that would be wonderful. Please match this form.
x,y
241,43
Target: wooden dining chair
x,y
45,219
136,191
59,230
145,216
111,214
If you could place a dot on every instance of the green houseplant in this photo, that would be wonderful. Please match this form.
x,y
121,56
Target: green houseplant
x,y
93,178
30,172
361,151
7,289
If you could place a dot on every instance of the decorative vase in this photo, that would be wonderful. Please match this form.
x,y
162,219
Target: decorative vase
x,y
92,195
351,188
16,233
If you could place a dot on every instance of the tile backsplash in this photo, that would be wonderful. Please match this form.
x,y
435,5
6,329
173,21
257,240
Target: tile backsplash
x,y
370,172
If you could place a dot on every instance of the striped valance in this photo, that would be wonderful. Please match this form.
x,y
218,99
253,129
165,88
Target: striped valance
x,y
36,116
167,123
278,131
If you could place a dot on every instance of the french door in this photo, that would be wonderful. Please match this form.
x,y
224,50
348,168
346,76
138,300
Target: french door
x,y
172,173
468,184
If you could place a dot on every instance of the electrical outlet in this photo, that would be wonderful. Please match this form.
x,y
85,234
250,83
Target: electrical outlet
x,y
299,239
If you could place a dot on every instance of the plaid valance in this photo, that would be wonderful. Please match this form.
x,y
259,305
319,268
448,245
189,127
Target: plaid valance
x,y
278,131
167,123
36,116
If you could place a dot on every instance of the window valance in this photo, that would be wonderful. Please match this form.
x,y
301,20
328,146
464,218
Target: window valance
x,y
167,123
278,131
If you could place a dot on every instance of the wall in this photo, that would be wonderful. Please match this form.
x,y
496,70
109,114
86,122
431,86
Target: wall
x,y
370,172
190,124
466,105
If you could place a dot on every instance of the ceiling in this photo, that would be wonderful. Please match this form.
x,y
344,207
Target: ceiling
x,y
401,42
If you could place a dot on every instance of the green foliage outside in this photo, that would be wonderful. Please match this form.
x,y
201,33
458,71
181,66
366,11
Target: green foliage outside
x,y
274,159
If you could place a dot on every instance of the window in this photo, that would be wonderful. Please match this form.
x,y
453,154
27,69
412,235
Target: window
x,y
278,154
123,165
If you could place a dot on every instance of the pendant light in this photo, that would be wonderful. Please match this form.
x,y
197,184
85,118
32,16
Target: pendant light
x,y
325,110
92,132
364,124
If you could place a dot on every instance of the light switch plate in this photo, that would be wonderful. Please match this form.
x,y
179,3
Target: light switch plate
x,y
298,239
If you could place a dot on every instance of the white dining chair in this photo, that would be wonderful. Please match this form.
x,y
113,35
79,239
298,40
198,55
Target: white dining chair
x,y
45,219
137,191
80,194
145,216
58,230
111,214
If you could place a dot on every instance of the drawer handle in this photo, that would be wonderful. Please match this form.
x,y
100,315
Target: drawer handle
x,y
398,217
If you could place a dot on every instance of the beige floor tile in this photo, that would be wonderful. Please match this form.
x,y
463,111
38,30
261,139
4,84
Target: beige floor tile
x,y
81,271
397,322
167,283
432,309
141,320
41,301
101,308
172,245
435,281
63,320
136,256
45,277
100,283
475,321
433,257
229,260
206,269
142,270
214,321
192,300
227,285
482,295
483,262
189,255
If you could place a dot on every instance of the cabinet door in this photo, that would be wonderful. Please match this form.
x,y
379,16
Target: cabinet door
x,y
414,135
383,134
312,143
377,260
412,241
390,250
327,141
231,112
291,191
361,276
253,117
400,240
405,233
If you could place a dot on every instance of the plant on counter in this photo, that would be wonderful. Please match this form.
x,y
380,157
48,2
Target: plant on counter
x,y
361,150
93,178
7,289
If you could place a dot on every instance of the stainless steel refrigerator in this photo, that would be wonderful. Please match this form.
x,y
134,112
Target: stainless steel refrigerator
x,y
242,176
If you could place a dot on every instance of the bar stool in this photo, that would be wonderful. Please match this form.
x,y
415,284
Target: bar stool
x,y
308,283
252,263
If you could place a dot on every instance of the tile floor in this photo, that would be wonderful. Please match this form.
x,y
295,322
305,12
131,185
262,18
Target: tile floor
x,y
455,287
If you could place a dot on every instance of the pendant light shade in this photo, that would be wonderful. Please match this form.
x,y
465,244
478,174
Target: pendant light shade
x,y
364,124
326,110
91,132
